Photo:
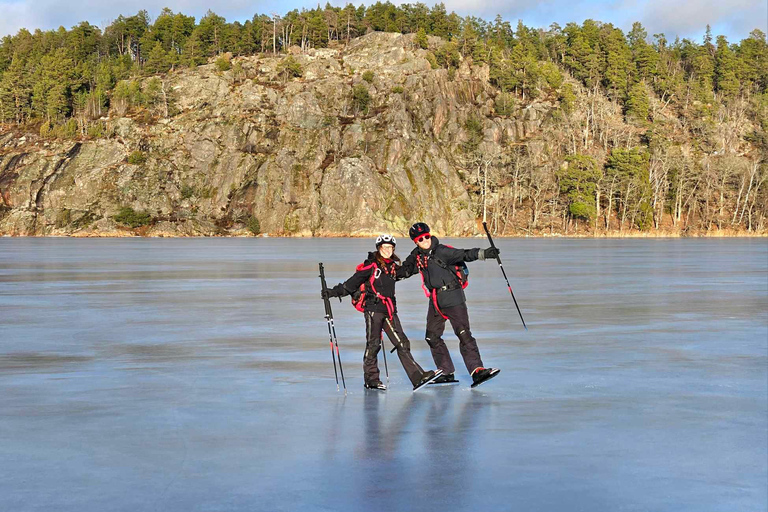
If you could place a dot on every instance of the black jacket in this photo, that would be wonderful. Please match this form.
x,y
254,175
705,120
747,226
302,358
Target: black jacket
x,y
384,284
439,273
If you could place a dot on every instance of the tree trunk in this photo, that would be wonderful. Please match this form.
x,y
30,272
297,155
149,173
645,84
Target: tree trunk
x,y
165,100
597,206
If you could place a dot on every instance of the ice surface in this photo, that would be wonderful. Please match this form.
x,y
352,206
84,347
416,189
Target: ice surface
x,y
196,375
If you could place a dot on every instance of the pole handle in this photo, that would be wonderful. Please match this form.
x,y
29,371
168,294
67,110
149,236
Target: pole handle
x,y
324,287
488,234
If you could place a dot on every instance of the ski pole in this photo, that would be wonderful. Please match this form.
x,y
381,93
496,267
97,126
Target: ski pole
x,y
333,340
498,259
384,353
327,304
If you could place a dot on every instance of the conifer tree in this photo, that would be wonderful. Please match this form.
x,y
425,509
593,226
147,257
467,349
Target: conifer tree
x,y
578,181
157,61
637,105
421,39
726,65
16,91
618,62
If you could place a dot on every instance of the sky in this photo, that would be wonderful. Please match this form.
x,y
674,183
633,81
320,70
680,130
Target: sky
x,y
685,18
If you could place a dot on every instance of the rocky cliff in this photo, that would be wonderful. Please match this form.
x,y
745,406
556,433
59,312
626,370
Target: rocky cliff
x,y
246,150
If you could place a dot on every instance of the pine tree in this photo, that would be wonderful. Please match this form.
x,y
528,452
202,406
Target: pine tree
x,y
181,28
644,55
753,53
578,53
211,34
468,37
618,61
51,92
16,91
158,60
421,39
726,64
628,168
439,21
567,99
637,105
703,67
578,181
194,50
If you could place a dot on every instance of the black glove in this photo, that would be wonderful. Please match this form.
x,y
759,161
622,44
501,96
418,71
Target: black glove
x,y
491,253
336,291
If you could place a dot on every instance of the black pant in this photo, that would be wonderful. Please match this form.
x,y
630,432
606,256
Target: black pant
x,y
459,317
375,323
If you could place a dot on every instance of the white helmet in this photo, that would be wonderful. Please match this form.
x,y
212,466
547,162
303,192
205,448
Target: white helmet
x,y
385,239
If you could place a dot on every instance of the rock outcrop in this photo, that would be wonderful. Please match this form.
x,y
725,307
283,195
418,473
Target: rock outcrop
x,y
246,149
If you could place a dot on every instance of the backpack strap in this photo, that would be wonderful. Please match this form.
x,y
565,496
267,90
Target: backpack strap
x,y
421,264
376,272
437,308
440,263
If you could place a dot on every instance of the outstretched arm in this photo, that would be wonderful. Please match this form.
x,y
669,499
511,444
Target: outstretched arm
x,y
453,256
456,256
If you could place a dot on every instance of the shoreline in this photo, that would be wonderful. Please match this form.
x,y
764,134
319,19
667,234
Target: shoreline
x,y
606,235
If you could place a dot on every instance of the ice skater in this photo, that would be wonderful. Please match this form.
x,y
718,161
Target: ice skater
x,y
373,292
444,277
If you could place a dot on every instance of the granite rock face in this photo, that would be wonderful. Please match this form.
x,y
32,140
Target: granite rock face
x,y
247,148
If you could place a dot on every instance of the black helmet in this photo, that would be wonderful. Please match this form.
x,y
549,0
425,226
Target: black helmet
x,y
417,230
385,239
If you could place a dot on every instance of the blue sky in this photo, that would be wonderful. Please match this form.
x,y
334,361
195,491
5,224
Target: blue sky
x,y
686,18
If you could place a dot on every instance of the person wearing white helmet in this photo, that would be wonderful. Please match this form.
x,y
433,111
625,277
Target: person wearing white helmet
x,y
373,292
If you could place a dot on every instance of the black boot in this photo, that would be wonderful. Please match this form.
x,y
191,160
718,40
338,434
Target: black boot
x,y
376,385
481,375
428,377
446,378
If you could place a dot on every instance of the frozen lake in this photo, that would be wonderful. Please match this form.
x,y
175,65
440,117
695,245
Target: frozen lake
x,y
195,375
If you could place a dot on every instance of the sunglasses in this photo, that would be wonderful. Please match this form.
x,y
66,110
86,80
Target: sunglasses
x,y
425,236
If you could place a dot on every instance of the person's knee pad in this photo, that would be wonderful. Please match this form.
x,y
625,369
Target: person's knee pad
x,y
433,339
464,335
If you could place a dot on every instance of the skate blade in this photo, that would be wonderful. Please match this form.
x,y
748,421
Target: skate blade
x,y
433,383
437,374
492,375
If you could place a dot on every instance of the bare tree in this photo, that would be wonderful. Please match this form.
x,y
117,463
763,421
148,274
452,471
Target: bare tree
x,y
275,18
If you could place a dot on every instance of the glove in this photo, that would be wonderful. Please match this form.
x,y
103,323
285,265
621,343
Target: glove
x,y
336,291
490,253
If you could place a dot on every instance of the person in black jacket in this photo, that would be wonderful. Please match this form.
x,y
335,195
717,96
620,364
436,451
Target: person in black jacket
x,y
442,282
377,276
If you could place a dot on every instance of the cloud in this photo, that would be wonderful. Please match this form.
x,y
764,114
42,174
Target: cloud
x,y
50,14
15,16
735,18
686,18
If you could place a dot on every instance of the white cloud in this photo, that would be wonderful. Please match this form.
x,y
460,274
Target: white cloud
x,y
50,14
15,15
735,18
687,18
